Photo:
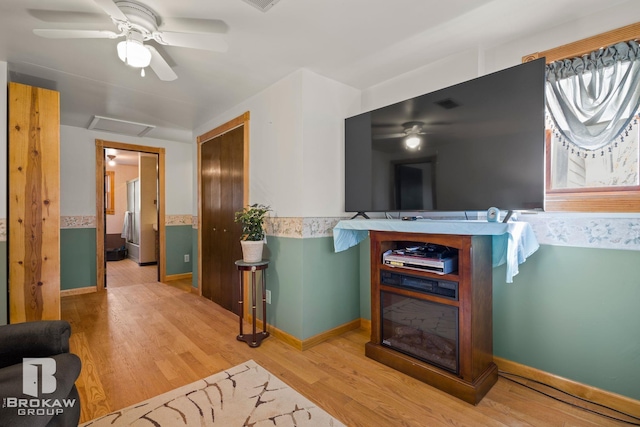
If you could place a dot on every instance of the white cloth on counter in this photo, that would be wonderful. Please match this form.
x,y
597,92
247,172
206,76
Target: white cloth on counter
x,y
513,242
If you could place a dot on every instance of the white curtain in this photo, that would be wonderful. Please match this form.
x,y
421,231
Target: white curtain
x,y
127,226
593,98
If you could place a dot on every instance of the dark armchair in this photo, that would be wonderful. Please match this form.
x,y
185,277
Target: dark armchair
x,y
40,392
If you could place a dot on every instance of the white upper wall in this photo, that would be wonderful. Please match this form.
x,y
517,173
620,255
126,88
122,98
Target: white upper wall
x,y
326,104
511,52
275,151
296,134
446,72
78,171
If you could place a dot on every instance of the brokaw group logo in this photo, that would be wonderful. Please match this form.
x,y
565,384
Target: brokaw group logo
x,y
31,374
38,380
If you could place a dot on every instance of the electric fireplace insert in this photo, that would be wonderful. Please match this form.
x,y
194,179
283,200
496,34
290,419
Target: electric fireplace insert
x,y
422,329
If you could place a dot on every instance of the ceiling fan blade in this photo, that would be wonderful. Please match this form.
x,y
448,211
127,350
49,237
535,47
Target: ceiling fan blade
x,y
75,34
111,9
213,42
389,136
194,25
64,17
159,66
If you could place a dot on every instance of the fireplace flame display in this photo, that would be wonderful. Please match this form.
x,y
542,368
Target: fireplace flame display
x,y
422,329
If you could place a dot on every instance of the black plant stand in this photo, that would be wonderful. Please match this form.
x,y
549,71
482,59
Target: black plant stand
x,y
255,339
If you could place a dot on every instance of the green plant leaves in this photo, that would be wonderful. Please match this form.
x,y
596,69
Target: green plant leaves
x,y
252,218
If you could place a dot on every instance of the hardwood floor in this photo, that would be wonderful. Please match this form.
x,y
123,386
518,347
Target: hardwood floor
x,y
144,339
127,272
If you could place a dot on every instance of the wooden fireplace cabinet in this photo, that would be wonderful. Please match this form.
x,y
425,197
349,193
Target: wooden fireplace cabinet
x,y
476,371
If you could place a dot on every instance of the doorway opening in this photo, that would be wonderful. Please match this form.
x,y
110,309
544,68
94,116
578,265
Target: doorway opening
x,y
136,229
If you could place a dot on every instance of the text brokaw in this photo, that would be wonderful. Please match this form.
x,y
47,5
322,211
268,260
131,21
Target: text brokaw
x,y
39,406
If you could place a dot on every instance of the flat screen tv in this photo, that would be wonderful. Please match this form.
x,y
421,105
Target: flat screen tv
x,y
468,147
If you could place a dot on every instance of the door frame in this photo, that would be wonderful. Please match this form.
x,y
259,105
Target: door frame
x,y
242,120
101,145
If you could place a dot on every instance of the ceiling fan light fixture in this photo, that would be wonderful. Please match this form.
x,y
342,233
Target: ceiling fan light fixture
x,y
133,52
412,142
112,161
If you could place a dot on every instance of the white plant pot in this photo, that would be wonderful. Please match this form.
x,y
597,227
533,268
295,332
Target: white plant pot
x,y
252,250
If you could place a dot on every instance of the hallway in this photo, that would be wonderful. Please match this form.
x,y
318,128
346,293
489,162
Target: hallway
x,y
127,272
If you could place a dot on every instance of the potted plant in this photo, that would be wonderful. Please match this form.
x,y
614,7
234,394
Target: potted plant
x,y
252,220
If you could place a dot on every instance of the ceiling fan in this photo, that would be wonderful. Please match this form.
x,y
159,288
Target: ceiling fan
x,y
412,131
138,23
409,128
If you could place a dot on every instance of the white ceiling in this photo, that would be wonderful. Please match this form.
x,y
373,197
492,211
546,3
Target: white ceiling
x,y
357,42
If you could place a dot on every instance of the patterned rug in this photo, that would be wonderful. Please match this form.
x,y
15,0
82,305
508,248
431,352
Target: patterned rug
x,y
245,395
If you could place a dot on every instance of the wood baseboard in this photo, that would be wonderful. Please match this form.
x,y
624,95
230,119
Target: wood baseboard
x,y
78,291
593,394
180,276
309,342
366,325
339,330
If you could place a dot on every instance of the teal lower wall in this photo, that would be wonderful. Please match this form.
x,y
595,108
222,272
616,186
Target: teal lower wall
x,y
77,258
365,278
331,295
3,284
312,288
285,281
179,242
78,255
573,312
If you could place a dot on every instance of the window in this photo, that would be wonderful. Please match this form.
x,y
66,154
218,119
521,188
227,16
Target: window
x,y
109,192
603,177
612,167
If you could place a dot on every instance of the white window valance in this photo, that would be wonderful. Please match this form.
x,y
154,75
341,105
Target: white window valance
x,y
593,98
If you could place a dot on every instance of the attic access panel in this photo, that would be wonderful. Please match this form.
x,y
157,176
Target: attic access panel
x,y
122,127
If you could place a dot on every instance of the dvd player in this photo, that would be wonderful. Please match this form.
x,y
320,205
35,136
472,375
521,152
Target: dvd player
x,y
436,265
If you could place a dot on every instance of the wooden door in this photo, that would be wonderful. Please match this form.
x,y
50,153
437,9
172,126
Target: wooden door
x,y
34,203
222,166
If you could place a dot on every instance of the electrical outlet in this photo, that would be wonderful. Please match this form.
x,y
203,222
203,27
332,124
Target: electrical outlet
x,y
268,295
186,257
